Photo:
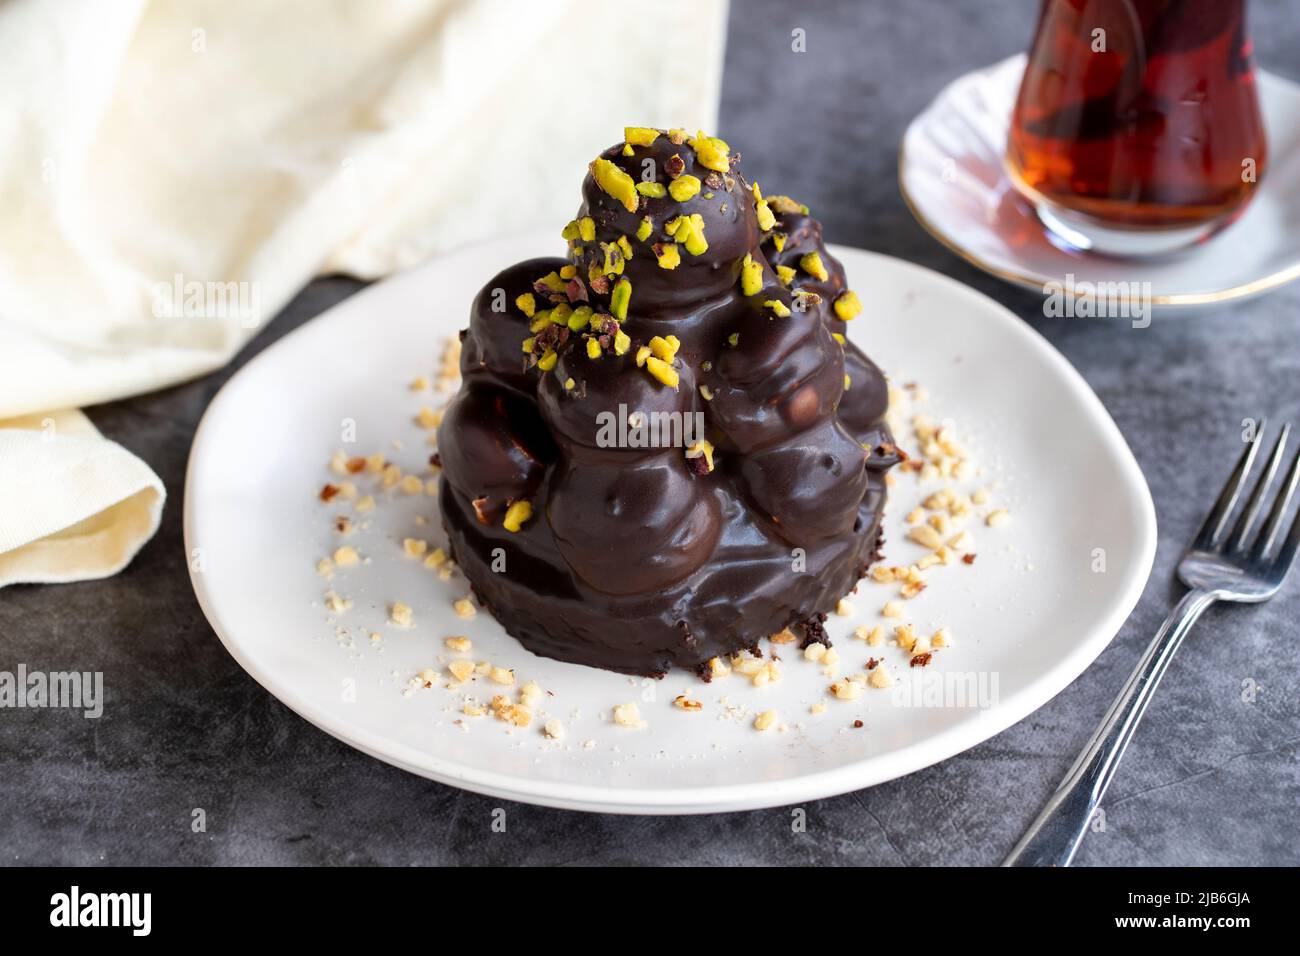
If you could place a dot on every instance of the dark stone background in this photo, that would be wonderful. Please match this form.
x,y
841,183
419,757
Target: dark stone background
x,y
1209,779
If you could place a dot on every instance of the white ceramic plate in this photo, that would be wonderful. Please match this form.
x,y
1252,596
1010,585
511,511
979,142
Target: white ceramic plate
x,y
952,177
1031,612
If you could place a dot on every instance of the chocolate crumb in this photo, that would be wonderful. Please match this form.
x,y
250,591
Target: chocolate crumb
x,y
814,632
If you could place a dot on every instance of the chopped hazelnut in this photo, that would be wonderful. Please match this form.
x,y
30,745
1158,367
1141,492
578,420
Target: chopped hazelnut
x,y
461,670
846,690
627,715
925,536
906,636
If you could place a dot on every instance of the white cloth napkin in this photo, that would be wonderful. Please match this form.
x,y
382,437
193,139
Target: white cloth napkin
x,y
171,172
83,513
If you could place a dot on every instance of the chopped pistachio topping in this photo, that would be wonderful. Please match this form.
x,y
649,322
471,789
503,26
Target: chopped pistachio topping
x,y
621,342
765,218
837,337
540,321
527,304
639,135
677,136
779,308
751,276
668,255
652,190
627,150
625,247
785,274
581,316
551,282
689,232
665,348
661,370
643,231
560,314
615,182
733,339
706,393
568,384
684,187
516,515
593,349
812,264
547,361
711,152
587,228
778,240
619,298
784,204
528,344
701,449
642,354
847,305
613,259
568,272
847,381
570,232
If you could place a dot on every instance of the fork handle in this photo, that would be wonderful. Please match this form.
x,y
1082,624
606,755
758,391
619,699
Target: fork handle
x,y
1055,835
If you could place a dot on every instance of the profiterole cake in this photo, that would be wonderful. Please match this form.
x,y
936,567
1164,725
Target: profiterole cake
x,y
664,449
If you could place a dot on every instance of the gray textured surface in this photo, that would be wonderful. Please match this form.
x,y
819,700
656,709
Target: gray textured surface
x,y
1210,778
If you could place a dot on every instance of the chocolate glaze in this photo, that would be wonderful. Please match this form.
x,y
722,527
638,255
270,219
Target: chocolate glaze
x,y
632,561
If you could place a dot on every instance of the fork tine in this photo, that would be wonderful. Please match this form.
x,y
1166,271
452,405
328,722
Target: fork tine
x,y
1209,534
1267,536
1286,556
1256,501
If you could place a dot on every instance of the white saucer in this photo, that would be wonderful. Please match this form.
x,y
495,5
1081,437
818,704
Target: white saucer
x,y
1033,611
951,175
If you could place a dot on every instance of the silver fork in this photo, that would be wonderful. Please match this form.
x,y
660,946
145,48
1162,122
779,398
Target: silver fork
x,y
1219,566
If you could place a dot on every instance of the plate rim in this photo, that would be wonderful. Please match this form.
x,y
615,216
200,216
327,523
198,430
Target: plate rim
x,y
859,775
1024,280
